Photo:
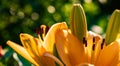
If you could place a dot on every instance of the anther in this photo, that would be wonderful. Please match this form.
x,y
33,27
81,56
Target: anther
x,y
38,31
42,29
85,41
47,29
102,43
93,47
93,39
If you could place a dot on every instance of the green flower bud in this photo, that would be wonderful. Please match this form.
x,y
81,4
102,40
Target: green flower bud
x,y
113,29
78,23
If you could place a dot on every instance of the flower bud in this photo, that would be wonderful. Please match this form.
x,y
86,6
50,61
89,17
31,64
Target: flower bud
x,y
78,23
113,29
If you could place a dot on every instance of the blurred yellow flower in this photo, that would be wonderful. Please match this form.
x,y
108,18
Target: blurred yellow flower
x,y
78,47
38,51
92,50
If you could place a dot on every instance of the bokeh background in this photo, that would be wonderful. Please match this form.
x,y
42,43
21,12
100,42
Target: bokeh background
x,y
24,16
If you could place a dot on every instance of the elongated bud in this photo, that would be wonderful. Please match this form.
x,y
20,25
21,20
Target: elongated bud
x,y
78,23
113,29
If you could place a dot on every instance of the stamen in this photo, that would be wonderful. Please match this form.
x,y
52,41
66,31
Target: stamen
x,y
93,39
44,30
38,31
85,41
43,27
47,29
54,58
93,47
102,43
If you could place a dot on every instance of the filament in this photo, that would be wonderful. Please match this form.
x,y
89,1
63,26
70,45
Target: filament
x,y
54,58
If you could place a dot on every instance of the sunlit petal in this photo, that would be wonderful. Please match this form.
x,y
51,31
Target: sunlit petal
x,y
85,64
96,51
29,43
20,50
46,61
69,48
88,49
108,54
93,44
31,46
50,38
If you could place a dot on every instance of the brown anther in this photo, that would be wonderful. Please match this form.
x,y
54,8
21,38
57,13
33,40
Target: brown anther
x,y
38,31
93,47
102,44
85,41
47,29
93,39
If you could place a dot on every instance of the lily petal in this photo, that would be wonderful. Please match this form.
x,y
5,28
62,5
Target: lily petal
x,y
94,46
31,46
22,51
50,38
36,50
69,48
29,42
108,54
88,49
46,61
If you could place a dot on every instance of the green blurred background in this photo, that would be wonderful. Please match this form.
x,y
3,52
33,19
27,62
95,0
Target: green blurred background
x,y
24,16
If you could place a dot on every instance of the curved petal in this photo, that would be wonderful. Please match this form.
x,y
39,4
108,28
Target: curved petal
x,y
118,64
96,52
69,48
20,50
31,45
50,37
36,50
62,51
108,54
46,61
93,46
88,49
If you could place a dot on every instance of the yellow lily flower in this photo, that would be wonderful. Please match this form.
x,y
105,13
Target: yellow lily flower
x,y
91,51
38,51
78,47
